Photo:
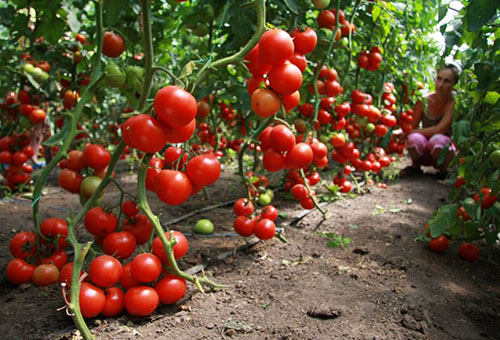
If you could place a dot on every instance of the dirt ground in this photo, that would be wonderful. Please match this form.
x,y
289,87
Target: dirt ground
x,y
383,285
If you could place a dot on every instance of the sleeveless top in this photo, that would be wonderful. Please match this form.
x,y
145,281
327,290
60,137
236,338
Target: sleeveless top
x,y
428,121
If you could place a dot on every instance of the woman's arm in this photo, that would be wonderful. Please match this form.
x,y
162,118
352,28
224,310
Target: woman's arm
x,y
444,124
418,109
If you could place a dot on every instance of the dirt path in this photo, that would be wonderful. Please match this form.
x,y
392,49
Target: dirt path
x,y
384,285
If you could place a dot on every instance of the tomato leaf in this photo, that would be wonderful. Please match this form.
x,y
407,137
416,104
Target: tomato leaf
x,y
479,12
72,19
292,6
445,218
51,29
471,229
112,9
59,136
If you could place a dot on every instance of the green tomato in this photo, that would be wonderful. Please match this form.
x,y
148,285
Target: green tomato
x,y
114,76
469,203
324,139
37,73
344,41
270,193
495,157
321,4
264,199
362,121
370,127
29,68
89,185
134,72
24,122
204,227
44,76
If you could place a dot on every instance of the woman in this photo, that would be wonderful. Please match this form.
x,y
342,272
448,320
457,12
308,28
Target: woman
x,y
435,112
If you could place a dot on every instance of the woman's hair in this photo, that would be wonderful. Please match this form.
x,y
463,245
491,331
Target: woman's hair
x,y
454,67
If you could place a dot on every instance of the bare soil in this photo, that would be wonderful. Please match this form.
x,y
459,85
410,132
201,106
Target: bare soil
x,y
383,285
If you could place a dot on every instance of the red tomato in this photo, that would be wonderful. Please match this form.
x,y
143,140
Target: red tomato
x,y
299,157
59,259
269,212
439,244
45,274
291,101
105,271
141,301
180,247
182,134
256,65
146,267
469,252
57,228
285,79
265,229
243,207
275,47
203,170
114,302
96,156
130,208
304,40
140,226
119,244
300,61
65,275
70,180
273,161
265,102
99,223
81,38
19,271
299,192
175,106
76,160
92,300
244,225
145,133
113,45
170,289
127,280
173,187
282,138
23,245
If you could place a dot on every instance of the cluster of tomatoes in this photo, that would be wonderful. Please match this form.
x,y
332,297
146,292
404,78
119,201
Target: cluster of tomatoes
x,y
15,152
327,19
39,258
467,250
247,222
182,176
370,60
278,62
144,278
23,104
83,171
281,150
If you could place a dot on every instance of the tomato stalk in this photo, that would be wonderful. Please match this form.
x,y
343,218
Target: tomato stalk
x,y
260,8
317,72
247,143
167,244
316,205
348,65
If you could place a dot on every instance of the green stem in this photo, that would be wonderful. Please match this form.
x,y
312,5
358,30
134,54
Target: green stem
x,y
260,7
309,190
316,75
247,143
